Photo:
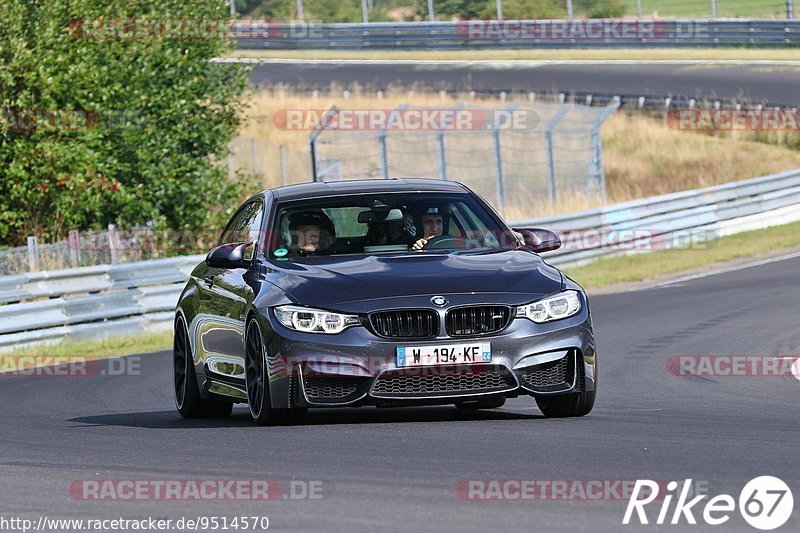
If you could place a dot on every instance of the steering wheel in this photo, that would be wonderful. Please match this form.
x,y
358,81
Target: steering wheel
x,y
446,242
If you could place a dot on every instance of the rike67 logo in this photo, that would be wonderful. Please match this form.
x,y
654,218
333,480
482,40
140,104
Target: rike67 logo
x,y
765,503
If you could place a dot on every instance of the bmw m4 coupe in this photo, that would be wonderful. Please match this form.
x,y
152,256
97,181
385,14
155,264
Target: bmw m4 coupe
x,y
379,292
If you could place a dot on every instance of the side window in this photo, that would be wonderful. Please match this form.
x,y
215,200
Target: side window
x,y
245,224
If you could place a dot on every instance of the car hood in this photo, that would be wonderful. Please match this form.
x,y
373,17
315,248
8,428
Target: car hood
x,y
325,281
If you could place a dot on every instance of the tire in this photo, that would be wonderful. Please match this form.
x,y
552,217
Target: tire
x,y
188,401
488,403
257,384
567,405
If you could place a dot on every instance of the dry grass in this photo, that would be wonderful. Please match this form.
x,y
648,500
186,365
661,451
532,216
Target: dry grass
x,y
642,155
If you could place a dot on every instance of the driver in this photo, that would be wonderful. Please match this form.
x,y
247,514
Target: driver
x,y
432,220
311,232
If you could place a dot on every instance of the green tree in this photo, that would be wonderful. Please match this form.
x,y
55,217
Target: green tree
x,y
449,9
103,122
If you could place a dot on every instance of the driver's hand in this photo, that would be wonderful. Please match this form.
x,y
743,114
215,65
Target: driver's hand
x,y
419,244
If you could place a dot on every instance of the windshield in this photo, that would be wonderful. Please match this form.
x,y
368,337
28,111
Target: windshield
x,y
386,223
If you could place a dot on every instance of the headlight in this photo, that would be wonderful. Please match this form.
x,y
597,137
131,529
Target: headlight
x,y
313,320
563,305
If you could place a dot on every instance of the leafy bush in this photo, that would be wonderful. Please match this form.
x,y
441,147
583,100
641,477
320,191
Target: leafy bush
x,y
601,9
102,123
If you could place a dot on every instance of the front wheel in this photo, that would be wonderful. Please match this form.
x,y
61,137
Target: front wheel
x,y
257,384
576,404
188,401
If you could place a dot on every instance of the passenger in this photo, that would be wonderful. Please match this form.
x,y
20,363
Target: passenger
x,y
311,233
396,232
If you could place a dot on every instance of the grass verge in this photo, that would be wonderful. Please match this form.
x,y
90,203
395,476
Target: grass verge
x,y
88,349
643,267
652,54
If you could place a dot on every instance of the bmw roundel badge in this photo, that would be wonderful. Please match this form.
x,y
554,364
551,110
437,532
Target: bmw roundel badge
x,y
439,301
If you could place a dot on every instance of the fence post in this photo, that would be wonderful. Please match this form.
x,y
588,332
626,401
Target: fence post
x,y
639,8
230,161
364,11
384,155
284,179
442,155
431,14
569,9
498,166
112,243
300,10
713,9
597,171
499,9
548,145
75,247
790,9
254,155
33,254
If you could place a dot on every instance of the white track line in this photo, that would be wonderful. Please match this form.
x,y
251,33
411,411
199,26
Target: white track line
x,y
509,62
724,270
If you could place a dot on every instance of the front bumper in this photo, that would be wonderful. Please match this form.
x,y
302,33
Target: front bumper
x,y
356,367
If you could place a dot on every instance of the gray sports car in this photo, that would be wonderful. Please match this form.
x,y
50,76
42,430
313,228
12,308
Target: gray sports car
x,y
380,292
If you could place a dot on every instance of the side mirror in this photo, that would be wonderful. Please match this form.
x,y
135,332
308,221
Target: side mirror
x,y
539,240
233,255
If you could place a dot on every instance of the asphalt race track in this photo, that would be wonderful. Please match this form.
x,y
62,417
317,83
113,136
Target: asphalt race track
x,y
394,470
745,82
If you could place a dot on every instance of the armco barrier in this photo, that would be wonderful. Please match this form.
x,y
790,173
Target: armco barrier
x,y
129,298
518,34
95,301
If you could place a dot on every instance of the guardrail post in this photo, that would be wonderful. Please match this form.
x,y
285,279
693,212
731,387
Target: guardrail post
x,y
442,155
112,243
790,9
364,11
33,254
639,8
713,9
431,14
498,165
499,9
569,9
300,10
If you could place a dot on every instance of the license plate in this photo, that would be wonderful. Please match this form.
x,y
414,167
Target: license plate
x,y
444,354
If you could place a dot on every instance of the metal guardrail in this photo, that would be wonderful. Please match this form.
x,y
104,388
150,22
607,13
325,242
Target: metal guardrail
x,y
92,301
517,34
125,299
687,218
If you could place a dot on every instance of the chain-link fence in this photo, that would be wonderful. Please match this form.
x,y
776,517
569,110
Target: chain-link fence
x,y
514,156
275,165
437,10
